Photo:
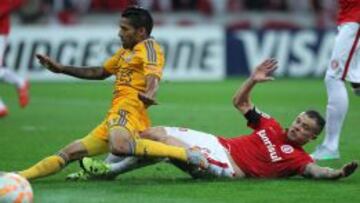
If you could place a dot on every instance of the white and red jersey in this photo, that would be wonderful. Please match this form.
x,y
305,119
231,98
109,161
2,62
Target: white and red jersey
x,y
266,152
349,11
6,7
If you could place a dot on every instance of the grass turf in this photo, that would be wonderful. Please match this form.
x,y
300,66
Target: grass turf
x,y
62,112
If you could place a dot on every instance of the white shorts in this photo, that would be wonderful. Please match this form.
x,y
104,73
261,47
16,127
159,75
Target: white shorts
x,y
345,58
209,145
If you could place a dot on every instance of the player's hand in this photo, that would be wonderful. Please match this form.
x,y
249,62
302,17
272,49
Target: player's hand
x,y
50,64
349,168
147,100
264,71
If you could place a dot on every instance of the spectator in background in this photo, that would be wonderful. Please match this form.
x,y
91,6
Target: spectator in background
x,y
326,15
185,5
111,5
156,5
31,11
6,74
66,12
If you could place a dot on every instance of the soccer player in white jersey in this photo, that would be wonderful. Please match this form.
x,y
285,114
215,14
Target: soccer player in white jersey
x,y
344,66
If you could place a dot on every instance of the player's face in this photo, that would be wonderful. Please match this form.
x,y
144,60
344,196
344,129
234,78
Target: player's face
x,y
302,130
128,34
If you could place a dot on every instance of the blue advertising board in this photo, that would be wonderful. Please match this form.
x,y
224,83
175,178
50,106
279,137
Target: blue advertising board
x,y
301,53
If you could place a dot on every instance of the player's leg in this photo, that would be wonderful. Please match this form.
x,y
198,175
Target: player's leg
x,y
122,142
55,163
161,134
123,138
181,137
110,158
342,67
336,110
90,145
219,163
114,165
3,109
119,165
9,76
127,117
99,168
21,84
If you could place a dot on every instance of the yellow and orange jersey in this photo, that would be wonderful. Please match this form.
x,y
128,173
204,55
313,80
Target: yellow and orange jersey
x,y
132,66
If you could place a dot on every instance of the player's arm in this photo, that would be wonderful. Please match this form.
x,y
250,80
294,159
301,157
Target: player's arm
x,y
152,85
315,171
90,73
241,99
152,57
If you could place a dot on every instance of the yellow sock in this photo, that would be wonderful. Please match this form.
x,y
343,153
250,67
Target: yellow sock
x,y
45,167
145,147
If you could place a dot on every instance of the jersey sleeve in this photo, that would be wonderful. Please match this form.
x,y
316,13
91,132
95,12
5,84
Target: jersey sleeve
x,y
300,163
110,65
152,57
257,119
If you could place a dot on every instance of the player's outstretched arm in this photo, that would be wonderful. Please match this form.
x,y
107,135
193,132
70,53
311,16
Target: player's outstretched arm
x,y
317,172
152,85
262,73
90,73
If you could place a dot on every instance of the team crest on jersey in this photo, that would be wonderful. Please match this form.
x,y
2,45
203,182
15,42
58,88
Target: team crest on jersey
x,y
334,64
287,149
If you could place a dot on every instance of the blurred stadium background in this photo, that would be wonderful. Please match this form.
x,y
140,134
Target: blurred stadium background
x,y
216,42
203,39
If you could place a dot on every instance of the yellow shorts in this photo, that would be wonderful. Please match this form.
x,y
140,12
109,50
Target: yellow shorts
x,y
128,112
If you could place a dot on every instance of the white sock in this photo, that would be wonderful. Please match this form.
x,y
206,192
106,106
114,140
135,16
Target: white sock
x,y
2,105
336,110
124,165
131,163
11,77
111,158
120,164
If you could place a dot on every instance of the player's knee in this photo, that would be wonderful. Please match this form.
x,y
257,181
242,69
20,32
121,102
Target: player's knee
x,y
122,148
121,142
73,151
154,133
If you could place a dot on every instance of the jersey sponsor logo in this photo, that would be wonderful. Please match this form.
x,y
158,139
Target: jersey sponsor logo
x,y
301,52
195,53
269,145
287,149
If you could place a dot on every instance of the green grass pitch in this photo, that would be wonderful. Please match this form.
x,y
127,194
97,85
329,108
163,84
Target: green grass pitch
x,y
62,112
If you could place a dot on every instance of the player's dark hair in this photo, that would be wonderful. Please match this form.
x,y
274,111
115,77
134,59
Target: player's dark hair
x,y
138,18
320,121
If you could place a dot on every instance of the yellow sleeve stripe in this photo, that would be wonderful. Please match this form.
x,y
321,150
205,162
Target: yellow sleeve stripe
x,y
151,52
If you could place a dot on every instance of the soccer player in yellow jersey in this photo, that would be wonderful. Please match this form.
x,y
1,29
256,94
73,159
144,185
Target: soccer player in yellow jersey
x,y
138,68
